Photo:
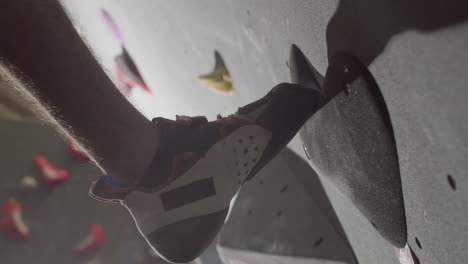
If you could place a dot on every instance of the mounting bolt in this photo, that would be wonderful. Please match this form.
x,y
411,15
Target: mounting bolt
x,y
346,70
306,152
347,89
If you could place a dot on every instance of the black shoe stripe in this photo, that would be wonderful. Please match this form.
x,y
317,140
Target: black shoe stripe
x,y
188,194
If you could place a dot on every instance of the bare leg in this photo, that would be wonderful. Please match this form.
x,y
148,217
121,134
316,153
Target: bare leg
x,y
38,39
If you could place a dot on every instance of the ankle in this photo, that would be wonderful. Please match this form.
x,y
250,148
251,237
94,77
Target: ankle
x,y
132,157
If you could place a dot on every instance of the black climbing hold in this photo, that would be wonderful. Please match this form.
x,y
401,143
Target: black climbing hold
x,y
350,141
302,72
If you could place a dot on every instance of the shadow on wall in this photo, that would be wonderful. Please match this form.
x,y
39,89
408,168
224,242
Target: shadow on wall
x,y
364,27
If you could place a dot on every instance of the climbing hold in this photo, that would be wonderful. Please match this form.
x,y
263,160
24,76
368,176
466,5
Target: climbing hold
x,y
29,182
219,80
75,151
93,241
49,175
350,141
11,221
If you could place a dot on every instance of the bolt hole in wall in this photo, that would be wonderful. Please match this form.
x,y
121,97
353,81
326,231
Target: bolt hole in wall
x,y
418,243
452,182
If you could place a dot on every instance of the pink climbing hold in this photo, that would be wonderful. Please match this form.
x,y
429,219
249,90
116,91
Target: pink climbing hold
x,y
112,26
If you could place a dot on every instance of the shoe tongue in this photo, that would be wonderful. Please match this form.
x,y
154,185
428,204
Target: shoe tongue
x,y
109,189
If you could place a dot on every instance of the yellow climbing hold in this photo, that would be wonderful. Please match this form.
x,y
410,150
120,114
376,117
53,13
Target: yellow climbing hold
x,y
219,80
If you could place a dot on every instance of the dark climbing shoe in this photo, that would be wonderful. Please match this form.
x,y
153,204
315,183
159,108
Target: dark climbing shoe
x,y
181,203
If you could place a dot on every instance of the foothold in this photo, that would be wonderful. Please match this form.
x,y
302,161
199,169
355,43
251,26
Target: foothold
x,y
374,225
287,64
76,152
11,221
93,241
418,243
318,242
284,188
219,80
260,182
49,175
346,70
452,182
279,213
29,182
249,212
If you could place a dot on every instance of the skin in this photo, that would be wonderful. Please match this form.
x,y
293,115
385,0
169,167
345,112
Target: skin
x,y
40,45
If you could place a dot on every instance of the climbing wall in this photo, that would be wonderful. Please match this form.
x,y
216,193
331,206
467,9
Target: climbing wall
x,y
61,217
416,54
284,216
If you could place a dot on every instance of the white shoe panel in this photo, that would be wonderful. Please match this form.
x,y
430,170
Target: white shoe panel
x,y
228,162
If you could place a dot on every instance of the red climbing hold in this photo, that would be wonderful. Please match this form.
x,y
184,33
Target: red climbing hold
x,y
76,152
49,175
11,221
92,241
